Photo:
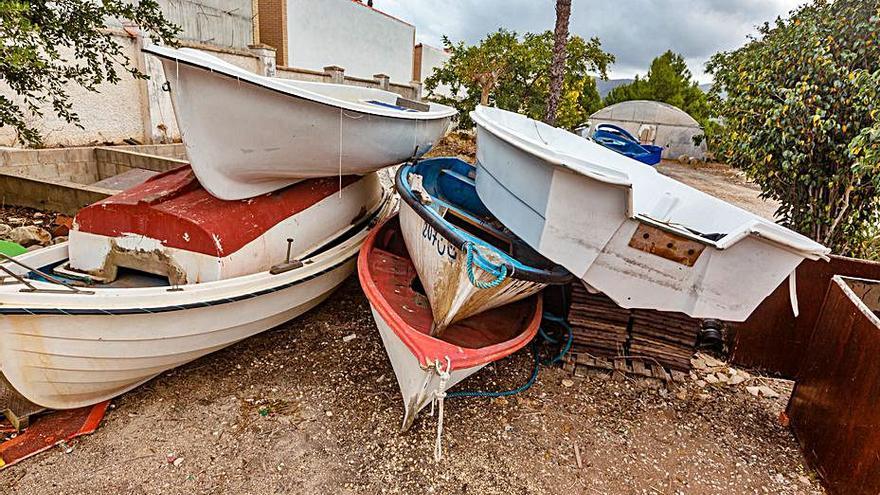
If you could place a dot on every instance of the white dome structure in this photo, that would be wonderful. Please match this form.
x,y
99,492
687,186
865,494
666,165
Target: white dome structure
x,y
653,122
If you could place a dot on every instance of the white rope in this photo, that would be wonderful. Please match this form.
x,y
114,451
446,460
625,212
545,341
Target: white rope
x,y
353,117
439,395
792,293
341,113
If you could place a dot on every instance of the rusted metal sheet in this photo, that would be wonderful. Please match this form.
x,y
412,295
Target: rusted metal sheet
x,y
771,338
833,410
666,245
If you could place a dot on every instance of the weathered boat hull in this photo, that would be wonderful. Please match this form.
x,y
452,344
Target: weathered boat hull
x,y
419,382
625,230
442,268
427,366
171,227
246,134
63,350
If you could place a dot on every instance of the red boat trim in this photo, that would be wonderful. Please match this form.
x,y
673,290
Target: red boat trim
x,y
428,349
175,209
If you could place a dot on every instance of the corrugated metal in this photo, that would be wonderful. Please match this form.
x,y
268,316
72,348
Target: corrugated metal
x,y
833,410
772,339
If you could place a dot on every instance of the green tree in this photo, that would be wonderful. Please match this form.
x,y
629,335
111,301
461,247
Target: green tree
x,y
668,80
513,73
800,118
48,45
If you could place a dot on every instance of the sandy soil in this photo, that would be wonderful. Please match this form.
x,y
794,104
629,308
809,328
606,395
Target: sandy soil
x,y
300,410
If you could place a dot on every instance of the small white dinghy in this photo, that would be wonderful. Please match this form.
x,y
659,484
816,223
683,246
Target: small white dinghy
x,y
425,366
466,260
247,134
65,344
644,239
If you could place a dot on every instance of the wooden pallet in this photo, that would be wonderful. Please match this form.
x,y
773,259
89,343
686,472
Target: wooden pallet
x,y
582,364
602,329
14,407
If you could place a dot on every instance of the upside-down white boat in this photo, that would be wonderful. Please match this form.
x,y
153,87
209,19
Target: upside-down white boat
x,y
66,344
644,239
467,262
427,366
247,134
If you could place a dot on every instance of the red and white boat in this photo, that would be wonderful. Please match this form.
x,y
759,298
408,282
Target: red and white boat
x,y
183,274
426,366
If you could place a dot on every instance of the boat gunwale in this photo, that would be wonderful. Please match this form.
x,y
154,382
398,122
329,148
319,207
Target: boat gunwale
x,y
557,276
758,227
337,245
301,93
421,344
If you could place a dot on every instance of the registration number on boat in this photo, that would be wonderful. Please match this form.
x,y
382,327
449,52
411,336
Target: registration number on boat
x,y
443,247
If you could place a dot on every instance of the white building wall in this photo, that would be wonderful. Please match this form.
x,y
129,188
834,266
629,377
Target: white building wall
x,y
433,58
350,35
112,114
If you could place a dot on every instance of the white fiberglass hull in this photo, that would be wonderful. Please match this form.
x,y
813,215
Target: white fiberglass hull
x,y
442,269
246,135
623,229
62,350
418,383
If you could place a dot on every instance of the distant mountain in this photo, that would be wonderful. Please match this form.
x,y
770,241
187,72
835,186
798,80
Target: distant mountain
x,y
605,87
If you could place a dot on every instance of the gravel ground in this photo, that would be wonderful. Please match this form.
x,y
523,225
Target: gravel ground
x,y
332,411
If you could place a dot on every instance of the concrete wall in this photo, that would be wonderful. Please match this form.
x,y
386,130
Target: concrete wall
x,y
110,115
350,35
428,58
226,23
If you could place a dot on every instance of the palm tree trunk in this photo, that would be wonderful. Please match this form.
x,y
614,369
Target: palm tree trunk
x,y
557,68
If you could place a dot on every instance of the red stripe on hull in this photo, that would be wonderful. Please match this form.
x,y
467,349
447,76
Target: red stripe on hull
x,y
175,209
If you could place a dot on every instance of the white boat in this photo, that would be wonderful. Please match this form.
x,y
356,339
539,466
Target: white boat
x,y
467,262
170,226
644,239
66,346
247,134
425,366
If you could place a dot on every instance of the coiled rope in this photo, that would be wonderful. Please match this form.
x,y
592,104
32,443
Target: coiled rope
x,y
474,257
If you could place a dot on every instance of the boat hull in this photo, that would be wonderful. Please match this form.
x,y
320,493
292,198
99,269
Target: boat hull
x,y
188,238
244,140
590,225
418,382
443,271
420,361
65,350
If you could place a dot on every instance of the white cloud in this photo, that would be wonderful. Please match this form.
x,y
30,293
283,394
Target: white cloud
x,y
635,31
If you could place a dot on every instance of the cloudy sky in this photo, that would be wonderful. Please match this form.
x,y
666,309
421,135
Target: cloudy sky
x,y
635,31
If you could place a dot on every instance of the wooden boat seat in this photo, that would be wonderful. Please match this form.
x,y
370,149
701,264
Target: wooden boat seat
x,y
397,280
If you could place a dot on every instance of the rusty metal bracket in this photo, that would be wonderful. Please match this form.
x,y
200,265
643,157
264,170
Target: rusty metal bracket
x,y
666,245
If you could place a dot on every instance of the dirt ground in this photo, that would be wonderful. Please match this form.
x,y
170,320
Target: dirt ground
x,y
299,409
334,410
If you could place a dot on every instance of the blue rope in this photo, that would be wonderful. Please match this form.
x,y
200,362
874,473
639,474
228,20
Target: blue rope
x,y
475,258
538,362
